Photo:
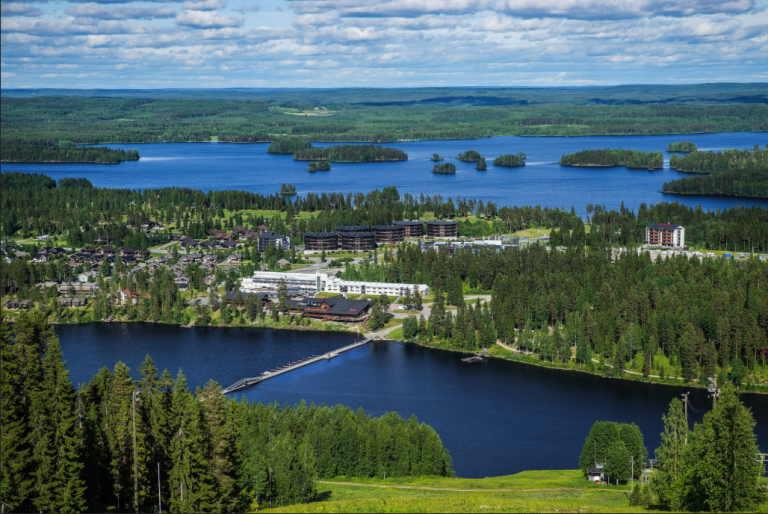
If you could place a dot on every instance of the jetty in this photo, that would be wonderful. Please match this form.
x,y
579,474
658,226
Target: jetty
x,y
475,358
266,375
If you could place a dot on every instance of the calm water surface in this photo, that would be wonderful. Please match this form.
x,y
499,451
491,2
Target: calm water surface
x,y
212,166
495,417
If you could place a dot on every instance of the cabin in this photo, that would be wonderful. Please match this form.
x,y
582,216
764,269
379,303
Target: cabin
x,y
596,474
72,302
283,263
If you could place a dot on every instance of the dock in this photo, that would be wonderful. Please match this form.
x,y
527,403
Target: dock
x,y
266,375
475,358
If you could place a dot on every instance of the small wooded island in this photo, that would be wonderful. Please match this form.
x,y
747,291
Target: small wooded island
x,y
436,158
288,146
682,147
445,168
711,162
64,151
469,156
509,160
319,166
607,158
481,164
351,153
287,189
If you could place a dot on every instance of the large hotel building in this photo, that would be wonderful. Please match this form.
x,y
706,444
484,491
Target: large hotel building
x,y
665,234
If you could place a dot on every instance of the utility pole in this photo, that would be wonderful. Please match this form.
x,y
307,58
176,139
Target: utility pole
x,y
135,456
159,491
632,478
685,400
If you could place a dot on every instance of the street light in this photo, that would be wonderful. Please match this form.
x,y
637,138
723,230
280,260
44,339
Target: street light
x,y
134,397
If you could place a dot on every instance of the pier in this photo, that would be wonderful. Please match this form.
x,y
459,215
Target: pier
x,y
240,384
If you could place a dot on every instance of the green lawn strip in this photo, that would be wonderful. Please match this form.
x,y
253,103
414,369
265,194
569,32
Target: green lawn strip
x,y
396,334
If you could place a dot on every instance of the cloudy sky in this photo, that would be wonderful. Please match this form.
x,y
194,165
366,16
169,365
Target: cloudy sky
x,y
381,43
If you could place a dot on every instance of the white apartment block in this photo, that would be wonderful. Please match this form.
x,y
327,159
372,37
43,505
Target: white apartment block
x,y
323,283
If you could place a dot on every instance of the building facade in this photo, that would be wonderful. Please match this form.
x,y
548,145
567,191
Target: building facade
x,y
357,240
386,234
665,234
270,237
443,228
412,228
321,241
307,284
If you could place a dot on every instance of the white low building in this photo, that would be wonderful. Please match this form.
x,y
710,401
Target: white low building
x,y
323,283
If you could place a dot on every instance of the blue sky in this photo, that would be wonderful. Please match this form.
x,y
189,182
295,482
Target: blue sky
x,y
381,43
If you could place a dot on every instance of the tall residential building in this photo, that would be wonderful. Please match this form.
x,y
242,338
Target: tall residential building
x,y
665,234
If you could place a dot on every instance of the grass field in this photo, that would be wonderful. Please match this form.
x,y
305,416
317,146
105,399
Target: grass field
x,y
530,491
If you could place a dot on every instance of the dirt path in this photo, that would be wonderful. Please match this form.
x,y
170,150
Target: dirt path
x,y
455,489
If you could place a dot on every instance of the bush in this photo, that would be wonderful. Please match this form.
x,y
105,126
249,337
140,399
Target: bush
x,y
640,497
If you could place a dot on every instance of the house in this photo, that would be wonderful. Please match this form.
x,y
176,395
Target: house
x,y
183,285
260,297
44,238
127,297
18,304
127,251
72,302
40,257
188,242
107,250
283,263
208,244
210,259
84,277
76,288
234,258
337,308
88,250
596,474
228,245
265,238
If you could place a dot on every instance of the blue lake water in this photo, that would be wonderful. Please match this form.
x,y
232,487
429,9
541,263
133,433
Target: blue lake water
x,y
212,166
496,417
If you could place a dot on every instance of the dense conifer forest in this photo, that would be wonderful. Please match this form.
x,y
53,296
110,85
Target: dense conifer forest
x,y
64,151
748,182
481,164
682,146
351,153
288,146
68,449
716,162
509,160
607,158
152,120
469,156
445,168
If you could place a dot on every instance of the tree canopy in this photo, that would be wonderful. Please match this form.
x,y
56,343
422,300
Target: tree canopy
x,y
509,160
608,157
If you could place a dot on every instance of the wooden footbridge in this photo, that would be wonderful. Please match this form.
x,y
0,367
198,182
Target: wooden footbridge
x,y
240,384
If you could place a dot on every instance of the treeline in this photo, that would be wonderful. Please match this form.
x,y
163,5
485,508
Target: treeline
x,y
319,166
68,450
351,153
64,151
711,162
608,157
126,120
509,160
445,168
698,313
682,146
288,146
469,156
749,182
481,164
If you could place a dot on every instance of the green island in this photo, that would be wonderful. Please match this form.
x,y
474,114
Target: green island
x,y
288,146
682,147
63,151
481,164
510,160
319,166
436,158
351,153
287,189
469,156
445,168
741,173
609,158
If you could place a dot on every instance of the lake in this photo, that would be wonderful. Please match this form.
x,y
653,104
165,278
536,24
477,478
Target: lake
x,y
496,417
213,166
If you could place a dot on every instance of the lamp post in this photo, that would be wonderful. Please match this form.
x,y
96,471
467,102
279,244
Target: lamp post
x,y
134,396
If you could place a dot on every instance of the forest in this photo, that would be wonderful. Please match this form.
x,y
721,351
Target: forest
x,y
682,146
287,189
716,162
155,120
469,156
509,160
288,146
319,166
351,153
436,158
63,151
68,449
608,157
748,182
481,164
445,168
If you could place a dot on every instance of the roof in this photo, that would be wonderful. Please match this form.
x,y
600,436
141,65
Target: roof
x,y
352,229
596,470
408,223
320,234
664,226
338,305
442,223
270,235
387,227
358,234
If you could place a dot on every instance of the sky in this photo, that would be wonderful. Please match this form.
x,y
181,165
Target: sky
x,y
380,43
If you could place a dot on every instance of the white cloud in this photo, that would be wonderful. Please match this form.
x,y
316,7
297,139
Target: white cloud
x,y
248,8
618,9
16,9
204,5
207,20
140,12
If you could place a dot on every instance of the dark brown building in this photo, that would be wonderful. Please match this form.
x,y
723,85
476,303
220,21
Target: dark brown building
x,y
412,228
321,241
357,240
386,234
443,228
